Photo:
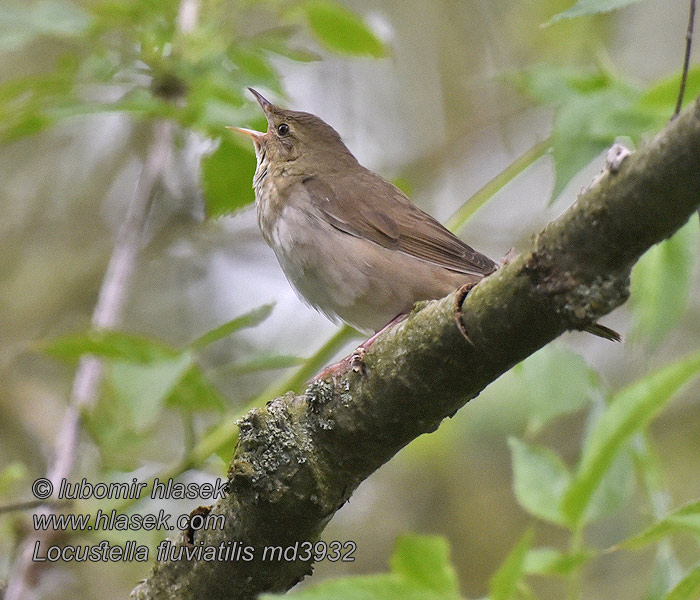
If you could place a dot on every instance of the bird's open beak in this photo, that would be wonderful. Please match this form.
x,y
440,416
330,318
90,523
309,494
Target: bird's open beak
x,y
264,103
256,136
251,133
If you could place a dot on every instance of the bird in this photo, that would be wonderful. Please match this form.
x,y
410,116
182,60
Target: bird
x,y
351,244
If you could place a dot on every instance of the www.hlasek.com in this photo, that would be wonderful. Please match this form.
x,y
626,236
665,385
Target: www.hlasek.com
x,y
167,550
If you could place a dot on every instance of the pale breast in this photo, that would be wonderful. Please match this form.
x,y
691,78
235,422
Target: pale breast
x,y
347,278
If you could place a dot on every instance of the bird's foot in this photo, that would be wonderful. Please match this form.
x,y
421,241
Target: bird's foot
x,y
334,370
355,362
462,294
510,255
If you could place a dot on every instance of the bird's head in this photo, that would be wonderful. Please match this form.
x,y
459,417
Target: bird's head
x,y
299,141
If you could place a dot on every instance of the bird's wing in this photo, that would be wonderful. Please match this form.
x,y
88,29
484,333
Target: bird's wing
x,y
407,229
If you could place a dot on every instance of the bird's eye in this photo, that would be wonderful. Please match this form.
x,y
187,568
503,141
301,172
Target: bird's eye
x,y
283,129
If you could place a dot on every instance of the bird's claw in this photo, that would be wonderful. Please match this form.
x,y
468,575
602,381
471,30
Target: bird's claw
x,y
462,294
357,360
510,255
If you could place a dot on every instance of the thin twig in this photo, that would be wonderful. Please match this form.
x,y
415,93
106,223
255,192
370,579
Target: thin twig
x,y
107,314
110,302
686,59
467,210
29,504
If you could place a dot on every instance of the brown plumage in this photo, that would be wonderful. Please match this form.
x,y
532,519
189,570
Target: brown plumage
x,y
351,243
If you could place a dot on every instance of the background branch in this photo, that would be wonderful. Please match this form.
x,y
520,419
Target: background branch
x,y
300,458
106,315
686,59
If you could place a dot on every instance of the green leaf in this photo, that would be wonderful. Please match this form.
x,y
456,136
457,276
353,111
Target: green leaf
x,y
584,128
548,561
120,445
114,345
249,319
134,398
254,67
540,479
420,571
591,7
664,573
24,126
266,362
21,22
552,85
142,102
684,519
687,588
629,412
340,30
195,393
280,45
616,486
377,587
504,583
555,381
662,96
425,561
11,475
227,178
214,101
141,389
593,108
661,282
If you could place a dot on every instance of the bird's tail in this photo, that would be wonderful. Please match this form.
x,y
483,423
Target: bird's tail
x,y
604,332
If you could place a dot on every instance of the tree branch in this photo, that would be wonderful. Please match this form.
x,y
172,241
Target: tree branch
x,y
299,458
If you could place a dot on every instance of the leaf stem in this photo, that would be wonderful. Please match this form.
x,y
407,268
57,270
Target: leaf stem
x,y
465,212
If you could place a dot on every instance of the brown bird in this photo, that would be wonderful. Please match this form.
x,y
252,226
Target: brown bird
x,y
351,244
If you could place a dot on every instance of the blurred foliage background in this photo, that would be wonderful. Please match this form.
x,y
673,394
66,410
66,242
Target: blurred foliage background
x,y
440,97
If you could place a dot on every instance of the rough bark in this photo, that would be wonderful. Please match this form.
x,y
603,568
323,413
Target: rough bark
x,y
300,457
